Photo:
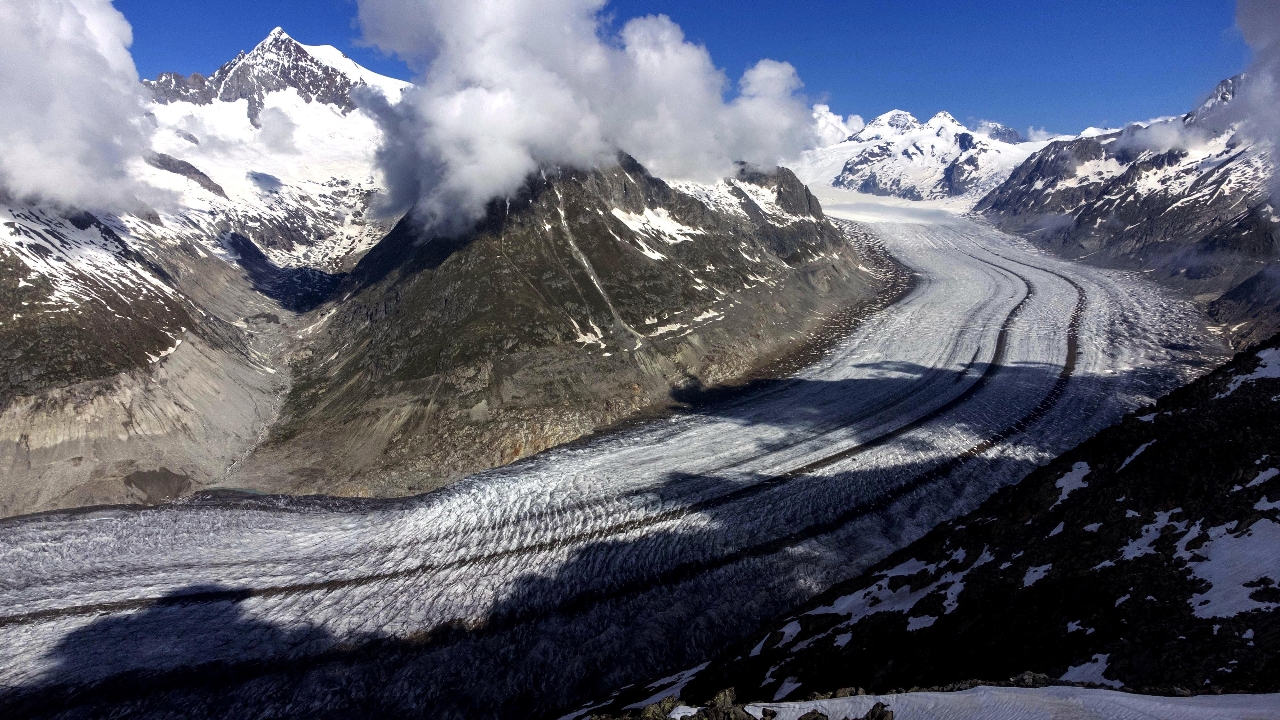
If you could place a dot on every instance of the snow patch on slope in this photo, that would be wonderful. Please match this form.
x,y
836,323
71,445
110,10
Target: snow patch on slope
x,y
1230,561
78,263
1269,369
994,703
657,224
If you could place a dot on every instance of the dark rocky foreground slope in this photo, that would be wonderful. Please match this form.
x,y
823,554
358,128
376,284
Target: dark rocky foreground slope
x,y
1145,559
1186,201
589,297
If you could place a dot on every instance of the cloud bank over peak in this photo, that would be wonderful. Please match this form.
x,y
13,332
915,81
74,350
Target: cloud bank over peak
x,y
507,86
832,129
73,110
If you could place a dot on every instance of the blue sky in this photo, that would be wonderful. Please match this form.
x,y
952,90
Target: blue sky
x,y
1060,64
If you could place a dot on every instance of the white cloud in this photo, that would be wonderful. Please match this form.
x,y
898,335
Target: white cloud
x,y
72,113
1162,135
832,128
507,86
277,130
1259,21
1035,134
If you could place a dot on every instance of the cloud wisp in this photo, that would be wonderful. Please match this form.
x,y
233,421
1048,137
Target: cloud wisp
x,y
1259,21
74,112
508,86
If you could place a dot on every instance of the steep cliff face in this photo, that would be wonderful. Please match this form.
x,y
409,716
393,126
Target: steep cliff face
x,y
588,298
1186,200
135,370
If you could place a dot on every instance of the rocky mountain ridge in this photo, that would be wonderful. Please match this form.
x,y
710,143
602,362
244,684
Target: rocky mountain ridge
x,y
1186,199
319,74
896,155
587,298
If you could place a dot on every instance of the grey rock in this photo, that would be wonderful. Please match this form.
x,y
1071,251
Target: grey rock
x,y
277,63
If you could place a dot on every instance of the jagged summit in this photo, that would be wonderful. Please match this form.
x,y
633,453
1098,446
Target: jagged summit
x,y
1220,98
319,73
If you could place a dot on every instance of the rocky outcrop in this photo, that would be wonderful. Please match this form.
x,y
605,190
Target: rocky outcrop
x,y
186,170
724,706
278,63
1186,200
589,298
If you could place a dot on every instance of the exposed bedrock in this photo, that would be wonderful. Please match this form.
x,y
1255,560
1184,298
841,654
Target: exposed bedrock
x,y
191,363
590,298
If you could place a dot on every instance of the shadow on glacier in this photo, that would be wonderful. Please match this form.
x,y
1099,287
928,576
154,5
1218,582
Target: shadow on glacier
x,y
616,611
891,391
296,289
731,555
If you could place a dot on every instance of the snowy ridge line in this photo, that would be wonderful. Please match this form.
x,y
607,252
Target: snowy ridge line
x,y
770,547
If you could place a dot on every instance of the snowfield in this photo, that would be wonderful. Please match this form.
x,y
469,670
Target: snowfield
x,y
1054,703
999,358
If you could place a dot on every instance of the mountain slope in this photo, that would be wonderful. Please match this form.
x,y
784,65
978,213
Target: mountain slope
x,y
1146,559
163,347
144,353
273,147
316,73
1186,199
589,297
898,156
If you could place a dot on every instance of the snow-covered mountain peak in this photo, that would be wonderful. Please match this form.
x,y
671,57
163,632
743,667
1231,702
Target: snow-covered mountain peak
x,y
945,120
319,73
273,146
1220,98
892,123
997,131
896,155
280,47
